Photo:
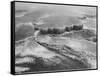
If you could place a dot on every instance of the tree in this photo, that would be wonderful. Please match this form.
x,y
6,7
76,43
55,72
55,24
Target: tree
x,y
70,28
77,27
42,31
49,31
36,28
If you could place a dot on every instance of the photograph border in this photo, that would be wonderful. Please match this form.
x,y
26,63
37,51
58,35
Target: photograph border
x,y
13,38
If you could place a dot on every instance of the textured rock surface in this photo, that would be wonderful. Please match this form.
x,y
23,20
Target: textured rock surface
x,y
57,53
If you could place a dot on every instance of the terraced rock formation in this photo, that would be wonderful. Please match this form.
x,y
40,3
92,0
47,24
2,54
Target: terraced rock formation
x,y
56,54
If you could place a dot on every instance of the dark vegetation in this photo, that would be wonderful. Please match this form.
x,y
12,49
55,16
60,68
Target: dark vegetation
x,y
78,32
51,31
77,27
25,31
58,30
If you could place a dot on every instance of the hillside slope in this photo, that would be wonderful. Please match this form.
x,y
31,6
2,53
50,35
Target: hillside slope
x,y
54,54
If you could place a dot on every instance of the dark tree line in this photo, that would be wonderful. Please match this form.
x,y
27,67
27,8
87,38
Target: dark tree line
x,y
51,31
74,27
59,31
77,27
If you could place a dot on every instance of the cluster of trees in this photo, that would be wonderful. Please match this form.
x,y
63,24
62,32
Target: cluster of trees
x,y
59,31
77,27
74,27
52,31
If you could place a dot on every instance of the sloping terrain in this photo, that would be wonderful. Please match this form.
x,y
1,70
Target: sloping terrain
x,y
54,54
86,34
24,30
70,50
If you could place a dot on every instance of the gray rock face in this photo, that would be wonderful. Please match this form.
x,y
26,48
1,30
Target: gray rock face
x,y
54,54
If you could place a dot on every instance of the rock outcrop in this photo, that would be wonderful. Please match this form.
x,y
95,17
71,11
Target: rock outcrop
x,y
33,55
